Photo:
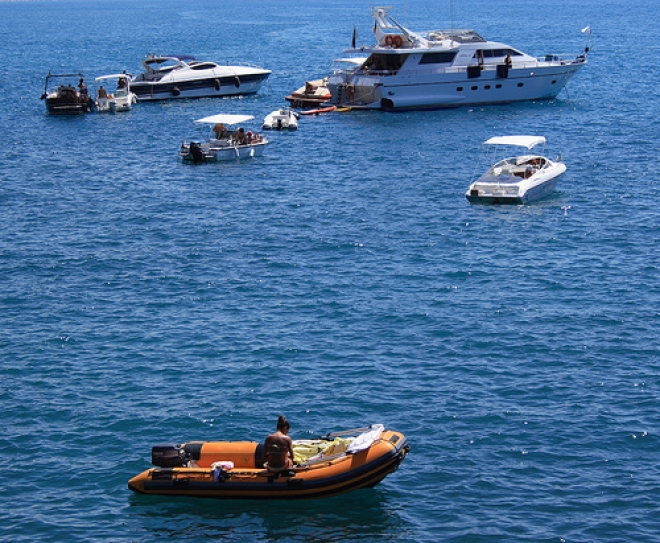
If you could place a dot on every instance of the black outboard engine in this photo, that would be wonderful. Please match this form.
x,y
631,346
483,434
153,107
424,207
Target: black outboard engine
x,y
167,455
196,152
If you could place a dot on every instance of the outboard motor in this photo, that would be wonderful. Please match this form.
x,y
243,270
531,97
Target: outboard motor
x,y
196,152
168,455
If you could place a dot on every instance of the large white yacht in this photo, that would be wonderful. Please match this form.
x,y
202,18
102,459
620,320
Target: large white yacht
x,y
444,68
172,76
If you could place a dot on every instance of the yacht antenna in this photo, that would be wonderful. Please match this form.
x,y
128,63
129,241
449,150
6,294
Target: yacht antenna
x,y
451,13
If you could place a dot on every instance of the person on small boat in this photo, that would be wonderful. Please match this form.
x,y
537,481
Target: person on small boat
x,y
102,92
240,136
82,88
278,447
219,129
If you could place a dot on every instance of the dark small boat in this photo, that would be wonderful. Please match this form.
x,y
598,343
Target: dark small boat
x,y
63,98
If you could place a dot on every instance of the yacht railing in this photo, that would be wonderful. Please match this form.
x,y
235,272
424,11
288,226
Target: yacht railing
x,y
554,61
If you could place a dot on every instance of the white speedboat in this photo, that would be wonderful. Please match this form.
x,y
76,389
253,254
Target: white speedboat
x,y
167,77
516,179
224,143
444,68
281,119
121,99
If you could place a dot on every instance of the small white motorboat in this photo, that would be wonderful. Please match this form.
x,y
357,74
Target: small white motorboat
x,y
517,179
281,119
122,99
223,143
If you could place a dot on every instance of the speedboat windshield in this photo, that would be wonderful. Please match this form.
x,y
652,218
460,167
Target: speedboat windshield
x,y
166,63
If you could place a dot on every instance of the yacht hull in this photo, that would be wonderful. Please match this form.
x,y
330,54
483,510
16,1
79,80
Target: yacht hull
x,y
199,88
449,90
491,190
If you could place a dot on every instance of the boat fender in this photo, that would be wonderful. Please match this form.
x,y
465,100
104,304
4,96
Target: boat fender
x,y
237,81
217,84
176,91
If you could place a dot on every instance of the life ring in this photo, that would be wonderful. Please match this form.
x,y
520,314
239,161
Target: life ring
x,y
216,84
176,91
393,41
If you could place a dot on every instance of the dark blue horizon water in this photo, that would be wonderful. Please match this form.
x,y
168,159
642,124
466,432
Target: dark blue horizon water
x,y
342,279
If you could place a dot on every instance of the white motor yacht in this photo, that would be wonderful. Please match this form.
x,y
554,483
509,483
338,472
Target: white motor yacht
x,y
515,179
444,68
223,143
167,77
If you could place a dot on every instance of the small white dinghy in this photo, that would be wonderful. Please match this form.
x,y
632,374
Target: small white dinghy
x,y
516,179
281,119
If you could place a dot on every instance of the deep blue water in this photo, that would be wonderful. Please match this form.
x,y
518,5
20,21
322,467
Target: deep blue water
x,y
341,279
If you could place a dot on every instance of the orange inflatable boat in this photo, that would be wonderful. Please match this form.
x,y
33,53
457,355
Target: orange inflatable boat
x,y
330,465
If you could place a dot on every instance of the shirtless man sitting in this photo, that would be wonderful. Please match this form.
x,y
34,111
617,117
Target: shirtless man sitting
x,y
278,447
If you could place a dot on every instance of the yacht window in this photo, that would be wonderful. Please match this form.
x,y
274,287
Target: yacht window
x,y
514,53
443,57
204,66
487,53
498,86
379,62
459,89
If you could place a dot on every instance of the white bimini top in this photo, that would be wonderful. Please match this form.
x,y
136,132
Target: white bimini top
x,y
519,141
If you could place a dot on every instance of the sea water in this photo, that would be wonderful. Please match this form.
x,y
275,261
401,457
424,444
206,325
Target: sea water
x,y
342,279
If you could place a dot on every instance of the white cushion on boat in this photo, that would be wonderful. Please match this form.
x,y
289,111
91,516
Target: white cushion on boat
x,y
365,440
